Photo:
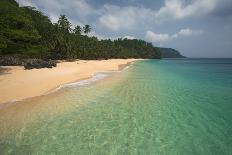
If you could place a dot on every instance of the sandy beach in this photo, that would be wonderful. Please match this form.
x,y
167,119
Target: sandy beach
x,y
17,83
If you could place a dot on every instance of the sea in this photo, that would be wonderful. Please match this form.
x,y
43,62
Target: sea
x,y
164,107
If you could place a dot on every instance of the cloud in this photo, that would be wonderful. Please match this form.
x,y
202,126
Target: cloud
x,y
164,37
116,18
26,3
223,9
154,37
179,9
189,32
119,18
53,8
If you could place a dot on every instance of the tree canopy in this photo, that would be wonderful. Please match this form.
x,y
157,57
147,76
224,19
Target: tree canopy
x,y
28,32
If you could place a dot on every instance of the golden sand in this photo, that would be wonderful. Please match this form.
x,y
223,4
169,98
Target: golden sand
x,y
17,83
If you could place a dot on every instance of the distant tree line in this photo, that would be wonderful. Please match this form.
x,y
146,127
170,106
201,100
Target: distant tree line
x,y
28,32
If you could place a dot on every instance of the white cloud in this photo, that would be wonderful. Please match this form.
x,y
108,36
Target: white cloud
x,y
128,17
53,8
112,17
117,18
164,37
179,9
189,32
155,37
26,3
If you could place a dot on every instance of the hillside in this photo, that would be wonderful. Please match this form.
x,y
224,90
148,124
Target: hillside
x,y
27,32
170,53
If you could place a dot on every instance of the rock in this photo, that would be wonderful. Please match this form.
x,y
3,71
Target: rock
x,y
17,60
11,60
38,63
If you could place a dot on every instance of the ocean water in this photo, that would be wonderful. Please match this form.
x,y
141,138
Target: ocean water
x,y
169,106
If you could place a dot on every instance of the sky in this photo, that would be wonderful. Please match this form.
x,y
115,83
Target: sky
x,y
196,28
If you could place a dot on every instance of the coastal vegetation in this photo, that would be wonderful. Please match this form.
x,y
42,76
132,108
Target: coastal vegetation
x,y
28,33
170,53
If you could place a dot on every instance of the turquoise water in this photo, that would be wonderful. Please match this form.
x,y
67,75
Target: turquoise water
x,y
170,106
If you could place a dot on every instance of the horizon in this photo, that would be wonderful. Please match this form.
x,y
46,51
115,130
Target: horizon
x,y
187,26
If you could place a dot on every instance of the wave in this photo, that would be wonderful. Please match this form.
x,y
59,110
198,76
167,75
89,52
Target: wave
x,y
95,77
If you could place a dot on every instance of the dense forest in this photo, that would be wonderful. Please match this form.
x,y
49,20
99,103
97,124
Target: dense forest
x,y
27,32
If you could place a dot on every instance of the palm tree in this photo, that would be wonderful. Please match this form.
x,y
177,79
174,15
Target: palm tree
x,y
64,24
64,28
87,29
77,30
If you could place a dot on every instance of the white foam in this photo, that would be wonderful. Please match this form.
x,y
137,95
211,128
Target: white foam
x,y
95,77
126,67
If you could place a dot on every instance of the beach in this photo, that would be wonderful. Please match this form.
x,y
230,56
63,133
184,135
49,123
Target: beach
x,y
16,83
168,106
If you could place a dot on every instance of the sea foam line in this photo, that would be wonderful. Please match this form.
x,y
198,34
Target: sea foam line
x,y
95,77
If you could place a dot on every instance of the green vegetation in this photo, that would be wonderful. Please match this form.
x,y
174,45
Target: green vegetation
x,y
28,32
170,53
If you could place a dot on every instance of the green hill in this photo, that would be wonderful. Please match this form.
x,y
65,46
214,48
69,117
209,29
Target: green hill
x,y
170,53
27,32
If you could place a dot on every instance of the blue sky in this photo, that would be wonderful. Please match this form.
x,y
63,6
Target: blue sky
x,y
197,28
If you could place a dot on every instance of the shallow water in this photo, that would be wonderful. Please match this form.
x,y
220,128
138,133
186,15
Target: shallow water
x,y
170,106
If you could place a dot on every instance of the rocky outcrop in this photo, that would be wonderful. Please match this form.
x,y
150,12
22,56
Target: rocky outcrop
x,y
16,60
38,63
11,60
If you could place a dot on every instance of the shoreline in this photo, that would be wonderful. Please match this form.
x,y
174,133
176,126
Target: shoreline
x,y
18,84
121,67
